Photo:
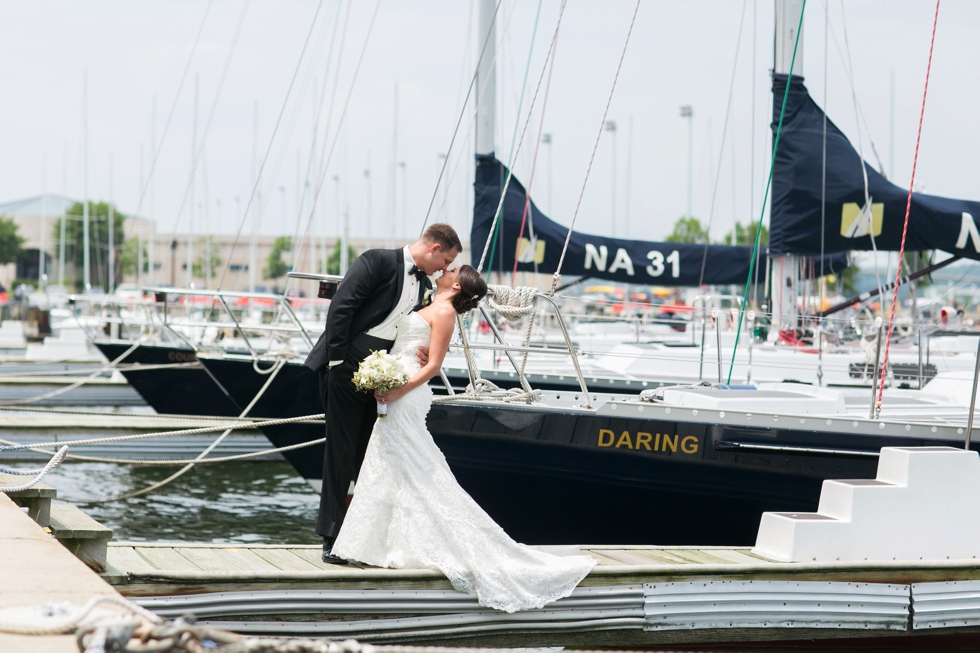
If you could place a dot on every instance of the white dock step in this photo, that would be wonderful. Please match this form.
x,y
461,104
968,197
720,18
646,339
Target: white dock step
x,y
923,505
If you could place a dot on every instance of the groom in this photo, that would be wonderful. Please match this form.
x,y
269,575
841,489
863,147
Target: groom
x,y
381,287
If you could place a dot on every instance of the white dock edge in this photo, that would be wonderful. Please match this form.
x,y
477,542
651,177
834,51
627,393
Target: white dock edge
x,y
775,604
923,505
946,605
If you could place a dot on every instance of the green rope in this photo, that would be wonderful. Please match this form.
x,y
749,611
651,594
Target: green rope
x,y
765,198
513,143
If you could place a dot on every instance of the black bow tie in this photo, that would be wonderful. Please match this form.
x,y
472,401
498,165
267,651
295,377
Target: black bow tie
x,y
418,272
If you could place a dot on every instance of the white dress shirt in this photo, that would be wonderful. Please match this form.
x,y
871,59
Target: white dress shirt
x,y
388,329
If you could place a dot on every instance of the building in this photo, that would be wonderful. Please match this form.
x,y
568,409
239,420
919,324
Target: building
x,y
38,221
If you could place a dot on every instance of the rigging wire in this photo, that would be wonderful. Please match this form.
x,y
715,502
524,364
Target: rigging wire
x,y
472,121
602,124
207,125
864,166
173,108
312,162
265,157
772,166
860,110
512,159
528,215
325,161
462,112
823,165
724,132
908,210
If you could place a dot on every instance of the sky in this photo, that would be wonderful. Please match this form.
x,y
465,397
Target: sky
x,y
713,55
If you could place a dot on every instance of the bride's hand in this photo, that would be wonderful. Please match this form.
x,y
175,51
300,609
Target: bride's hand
x,y
391,395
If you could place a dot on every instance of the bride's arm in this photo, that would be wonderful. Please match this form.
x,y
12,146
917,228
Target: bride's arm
x,y
443,323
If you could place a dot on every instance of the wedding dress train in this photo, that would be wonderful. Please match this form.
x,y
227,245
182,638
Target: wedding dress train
x,y
409,512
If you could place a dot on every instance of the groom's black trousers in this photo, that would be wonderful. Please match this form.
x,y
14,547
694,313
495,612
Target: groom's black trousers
x,y
350,419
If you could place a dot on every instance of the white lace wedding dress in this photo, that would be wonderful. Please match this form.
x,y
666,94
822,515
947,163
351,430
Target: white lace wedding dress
x,y
409,512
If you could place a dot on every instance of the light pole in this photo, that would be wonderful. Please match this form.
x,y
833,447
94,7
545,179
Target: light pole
x,y
611,127
546,139
688,112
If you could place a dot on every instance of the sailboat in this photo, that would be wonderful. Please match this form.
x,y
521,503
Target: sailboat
x,y
685,464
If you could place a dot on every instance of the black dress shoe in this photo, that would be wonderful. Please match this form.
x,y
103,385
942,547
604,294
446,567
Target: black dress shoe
x,y
329,557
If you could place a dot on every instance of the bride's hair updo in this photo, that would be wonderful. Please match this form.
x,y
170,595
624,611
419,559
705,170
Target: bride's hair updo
x,y
472,289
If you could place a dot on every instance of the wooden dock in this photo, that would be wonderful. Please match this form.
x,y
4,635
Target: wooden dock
x,y
286,590
36,569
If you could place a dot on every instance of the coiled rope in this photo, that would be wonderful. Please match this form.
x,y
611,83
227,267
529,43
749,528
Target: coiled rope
x,y
512,304
61,618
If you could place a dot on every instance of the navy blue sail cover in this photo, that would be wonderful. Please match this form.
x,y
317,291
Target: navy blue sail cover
x,y
599,257
934,222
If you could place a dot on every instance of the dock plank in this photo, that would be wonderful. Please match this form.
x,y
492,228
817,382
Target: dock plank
x,y
631,557
211,559
165,558
247,559
125,558
284,559
741,557
697,556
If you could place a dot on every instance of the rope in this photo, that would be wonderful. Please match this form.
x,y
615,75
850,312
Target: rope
x,y
165,463
602,123
514,152
54,462
234,426
765,196
908,209
183,470
72,386
513,304
61,618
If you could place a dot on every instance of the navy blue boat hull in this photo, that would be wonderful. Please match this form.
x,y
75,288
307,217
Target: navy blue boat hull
x,y
552,477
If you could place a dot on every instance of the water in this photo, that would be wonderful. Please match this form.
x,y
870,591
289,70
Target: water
x,y
250,502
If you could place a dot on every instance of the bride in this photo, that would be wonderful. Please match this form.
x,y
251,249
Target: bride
x,y
409,512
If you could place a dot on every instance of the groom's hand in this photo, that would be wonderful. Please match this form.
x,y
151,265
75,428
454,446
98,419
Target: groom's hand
x,y
422,356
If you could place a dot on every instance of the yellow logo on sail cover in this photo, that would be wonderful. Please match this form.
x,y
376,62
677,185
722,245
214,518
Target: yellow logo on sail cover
x,y
524,251
854,220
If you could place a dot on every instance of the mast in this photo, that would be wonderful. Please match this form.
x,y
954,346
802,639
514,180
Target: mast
x,y
112,241
86,280
190,216
253,240
786,268
152,238
486,78
64,218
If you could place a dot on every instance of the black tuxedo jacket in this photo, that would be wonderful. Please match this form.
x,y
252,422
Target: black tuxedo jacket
x,y
366,296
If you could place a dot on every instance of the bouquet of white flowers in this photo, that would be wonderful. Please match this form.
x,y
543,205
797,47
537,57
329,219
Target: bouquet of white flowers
x,y
380,372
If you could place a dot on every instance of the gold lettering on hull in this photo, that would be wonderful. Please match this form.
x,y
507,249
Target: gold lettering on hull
x,y
652,442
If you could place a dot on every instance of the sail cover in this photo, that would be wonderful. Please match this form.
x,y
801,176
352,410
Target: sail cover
x,y
795,224
599,257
